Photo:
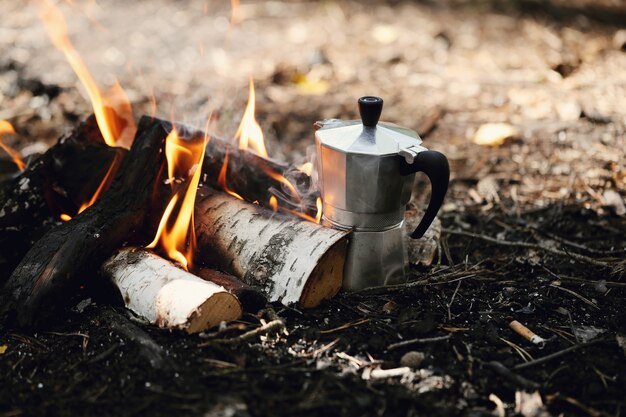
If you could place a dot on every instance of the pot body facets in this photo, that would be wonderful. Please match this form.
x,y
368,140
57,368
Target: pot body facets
x,y
366,171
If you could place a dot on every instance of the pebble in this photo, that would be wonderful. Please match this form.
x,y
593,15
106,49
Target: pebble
x,y
412,359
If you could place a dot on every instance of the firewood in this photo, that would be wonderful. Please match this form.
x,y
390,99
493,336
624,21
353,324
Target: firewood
x,y
58,182
257,179
73,249
251,298
166,295
292,260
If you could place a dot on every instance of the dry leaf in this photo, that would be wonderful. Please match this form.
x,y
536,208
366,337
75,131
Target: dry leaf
x,y
390,306
614,200
3,348
311,87
529,404
385,34
495,134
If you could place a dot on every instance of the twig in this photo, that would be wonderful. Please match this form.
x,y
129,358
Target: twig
x,y
575,294
519,380
452,300
555,355
411,342
579,246
345,326
431,279
528,245
274,325
520,351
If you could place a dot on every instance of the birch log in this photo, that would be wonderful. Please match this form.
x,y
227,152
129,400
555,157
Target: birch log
x,y
165,295
292,260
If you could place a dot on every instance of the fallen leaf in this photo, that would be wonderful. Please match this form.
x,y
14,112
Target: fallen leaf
x,y
587,333
529,404
568,111
3,348
311,87
390,306
495,134
615,201
385,34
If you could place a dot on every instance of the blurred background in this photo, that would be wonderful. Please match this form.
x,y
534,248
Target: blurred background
x,y
526,98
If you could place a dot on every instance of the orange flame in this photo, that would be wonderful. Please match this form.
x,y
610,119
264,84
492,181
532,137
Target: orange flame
x,y
176,235
234,6
318,216
7,128
113,112
221,179
249,133
274,203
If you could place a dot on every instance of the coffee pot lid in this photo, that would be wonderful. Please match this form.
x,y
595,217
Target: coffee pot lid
x,y
366,136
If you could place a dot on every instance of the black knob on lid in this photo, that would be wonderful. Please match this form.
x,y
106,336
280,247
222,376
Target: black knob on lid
x,y
370,108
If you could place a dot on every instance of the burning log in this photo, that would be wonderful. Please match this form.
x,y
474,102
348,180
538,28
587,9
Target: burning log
x,y
257,179
72,249
290,259
56,183
166,295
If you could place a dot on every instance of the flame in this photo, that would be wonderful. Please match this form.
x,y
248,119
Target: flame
x,y
234,6
274,203
176,236
249,133
7,128
113,112
103,184
221,179
318,216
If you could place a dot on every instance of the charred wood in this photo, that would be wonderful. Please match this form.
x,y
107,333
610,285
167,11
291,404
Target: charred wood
x,y
57,182
76,248
251,298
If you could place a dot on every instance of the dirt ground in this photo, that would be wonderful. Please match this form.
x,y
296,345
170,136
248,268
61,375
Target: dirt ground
x,y
533,229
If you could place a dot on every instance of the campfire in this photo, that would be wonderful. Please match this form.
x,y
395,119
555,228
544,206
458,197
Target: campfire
x,y
192,229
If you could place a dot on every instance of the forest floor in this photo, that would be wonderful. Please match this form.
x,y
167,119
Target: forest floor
x,y
533,229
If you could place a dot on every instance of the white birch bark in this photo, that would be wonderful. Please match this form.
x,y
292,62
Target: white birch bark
x,y
293,260
166,295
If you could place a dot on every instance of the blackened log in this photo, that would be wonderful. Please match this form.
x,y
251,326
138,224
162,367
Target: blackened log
x,y
251,298
256,179
253,177
58,182
76,249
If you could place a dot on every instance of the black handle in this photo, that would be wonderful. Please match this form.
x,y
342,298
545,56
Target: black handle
x,y
435,165
370,108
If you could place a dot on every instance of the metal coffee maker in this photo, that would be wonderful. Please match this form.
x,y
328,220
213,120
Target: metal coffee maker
x,y
366,171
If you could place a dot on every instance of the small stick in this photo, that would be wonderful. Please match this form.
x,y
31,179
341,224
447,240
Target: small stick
x,y
274,325
555,355
519,380
526,333
536,246
411,342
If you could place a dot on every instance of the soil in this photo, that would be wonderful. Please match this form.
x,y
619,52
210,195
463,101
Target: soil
x,y
533,229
